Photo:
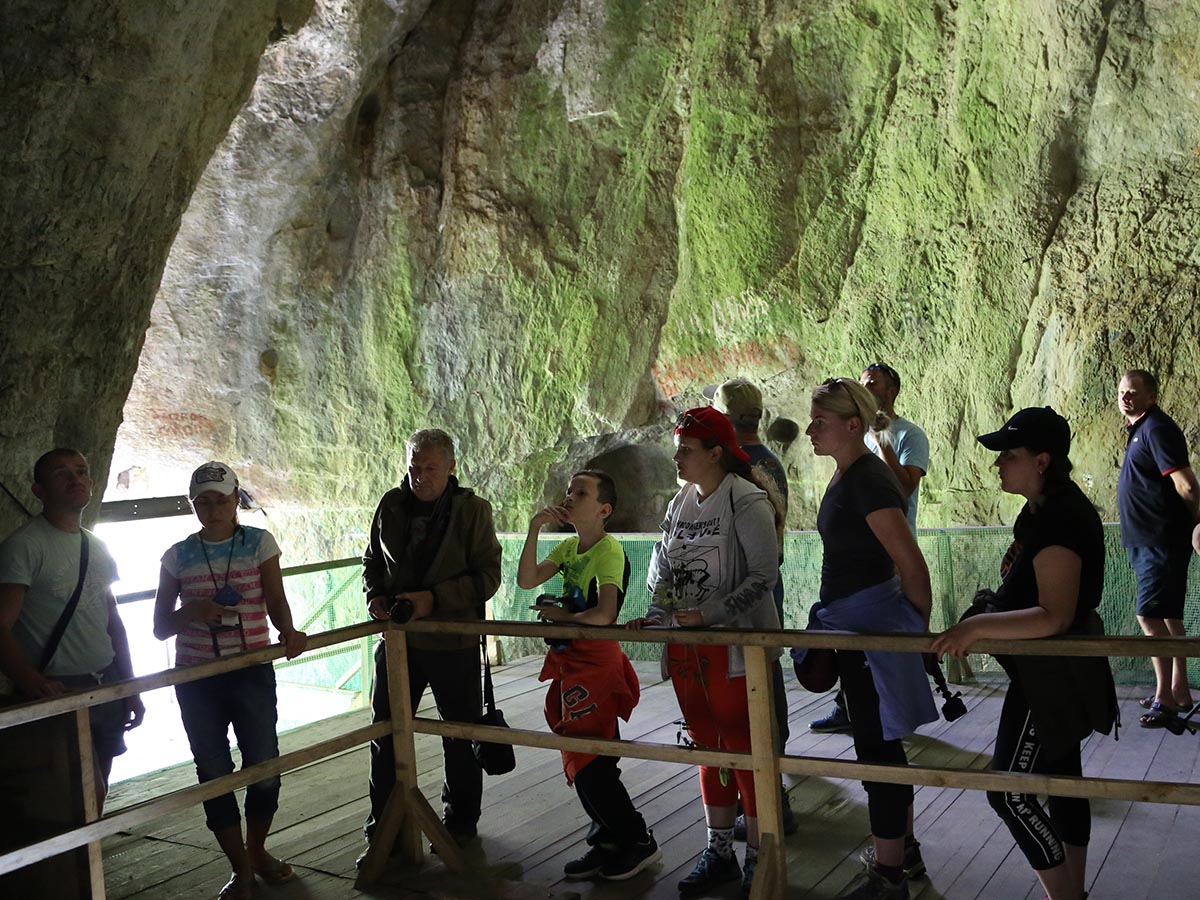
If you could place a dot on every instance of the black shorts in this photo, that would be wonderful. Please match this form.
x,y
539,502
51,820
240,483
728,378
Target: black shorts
x,y
1162,574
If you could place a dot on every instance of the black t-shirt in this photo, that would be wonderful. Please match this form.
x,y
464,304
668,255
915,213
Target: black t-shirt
x,y
853,558
1065,519
425,532
1069,697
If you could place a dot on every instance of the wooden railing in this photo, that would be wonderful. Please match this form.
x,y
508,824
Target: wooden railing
x,y
408,814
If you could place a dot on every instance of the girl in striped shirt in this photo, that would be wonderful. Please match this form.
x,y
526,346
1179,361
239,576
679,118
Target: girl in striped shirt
x,y
216,590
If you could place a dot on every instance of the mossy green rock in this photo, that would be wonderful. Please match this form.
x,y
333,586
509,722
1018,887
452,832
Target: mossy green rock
x,y
543,225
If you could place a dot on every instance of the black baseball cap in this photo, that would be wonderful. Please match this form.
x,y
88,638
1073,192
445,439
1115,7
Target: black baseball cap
x,y
1037,428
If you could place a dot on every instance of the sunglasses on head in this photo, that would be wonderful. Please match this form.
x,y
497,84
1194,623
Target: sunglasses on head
x,y
687,420
886,370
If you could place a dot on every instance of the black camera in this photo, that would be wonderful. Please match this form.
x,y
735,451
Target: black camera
x,y
401,611
553,600
953,708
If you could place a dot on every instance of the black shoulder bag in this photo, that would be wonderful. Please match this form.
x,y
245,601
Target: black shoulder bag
x,y
60,627
495,759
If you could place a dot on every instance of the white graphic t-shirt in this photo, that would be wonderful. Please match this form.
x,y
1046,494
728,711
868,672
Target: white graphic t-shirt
x,y
694,546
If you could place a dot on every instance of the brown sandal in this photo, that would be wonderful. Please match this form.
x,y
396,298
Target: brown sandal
x,y
277,873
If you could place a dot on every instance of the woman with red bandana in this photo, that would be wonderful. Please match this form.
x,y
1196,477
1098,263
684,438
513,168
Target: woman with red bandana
x,y
715,567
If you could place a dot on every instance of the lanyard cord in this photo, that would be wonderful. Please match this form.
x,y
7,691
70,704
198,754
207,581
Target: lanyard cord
x,y
228,562
228,566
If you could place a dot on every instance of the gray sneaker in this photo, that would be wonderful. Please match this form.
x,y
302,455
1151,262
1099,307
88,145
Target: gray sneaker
x,y
914,865
710,871
790,822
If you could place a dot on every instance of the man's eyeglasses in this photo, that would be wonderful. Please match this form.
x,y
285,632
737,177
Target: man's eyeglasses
x,y
886,370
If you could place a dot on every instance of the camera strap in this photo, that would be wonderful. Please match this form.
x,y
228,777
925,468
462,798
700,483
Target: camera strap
x,y
489,696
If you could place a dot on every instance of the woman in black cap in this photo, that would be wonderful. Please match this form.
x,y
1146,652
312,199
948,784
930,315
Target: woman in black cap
x,y
1051,580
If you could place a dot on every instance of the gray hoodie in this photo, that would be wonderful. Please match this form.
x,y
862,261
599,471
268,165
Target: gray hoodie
x,y
720,556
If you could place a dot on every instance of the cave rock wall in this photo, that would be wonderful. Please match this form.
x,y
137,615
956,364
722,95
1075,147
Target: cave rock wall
x,y
109,113
546,225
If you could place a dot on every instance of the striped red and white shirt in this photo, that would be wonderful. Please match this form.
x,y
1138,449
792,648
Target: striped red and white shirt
x,y
205,568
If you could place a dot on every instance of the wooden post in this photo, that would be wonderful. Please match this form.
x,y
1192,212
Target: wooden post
x,y
764,749
399,688
366,665
91,807
770,878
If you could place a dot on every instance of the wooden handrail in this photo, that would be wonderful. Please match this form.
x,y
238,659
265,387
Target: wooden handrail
x,y
142,813
835,640
34,710
766,765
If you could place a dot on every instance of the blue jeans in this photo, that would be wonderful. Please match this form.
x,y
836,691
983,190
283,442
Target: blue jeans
x,y
246,700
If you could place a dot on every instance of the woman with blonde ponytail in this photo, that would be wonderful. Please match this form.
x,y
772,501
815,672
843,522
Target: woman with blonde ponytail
x,y
873,579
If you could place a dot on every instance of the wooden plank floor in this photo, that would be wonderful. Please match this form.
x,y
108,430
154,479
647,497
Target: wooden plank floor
x,y
532,823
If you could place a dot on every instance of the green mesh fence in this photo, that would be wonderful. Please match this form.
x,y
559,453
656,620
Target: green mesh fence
x,y
961,560
322,601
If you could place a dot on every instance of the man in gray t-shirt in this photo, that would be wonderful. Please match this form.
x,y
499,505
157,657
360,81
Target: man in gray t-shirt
x,y
39,572
904,446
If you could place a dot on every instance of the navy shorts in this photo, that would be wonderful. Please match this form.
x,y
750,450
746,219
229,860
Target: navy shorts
x,y
108,730
108,720
1162,574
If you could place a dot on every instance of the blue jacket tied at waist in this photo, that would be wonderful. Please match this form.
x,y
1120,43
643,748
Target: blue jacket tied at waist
x,y
905,699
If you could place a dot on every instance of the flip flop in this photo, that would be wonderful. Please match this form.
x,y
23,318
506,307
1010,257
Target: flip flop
x,y
278,872
1148,703
1158,716
237,888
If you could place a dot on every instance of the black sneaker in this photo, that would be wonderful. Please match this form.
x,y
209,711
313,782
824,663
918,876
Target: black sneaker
x,y
914,865
790,823
837,722
748,876
710,870
461,832
874,885
590,863
628,862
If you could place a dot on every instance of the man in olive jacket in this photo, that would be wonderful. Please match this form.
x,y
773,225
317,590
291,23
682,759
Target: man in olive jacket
x,y
432,550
